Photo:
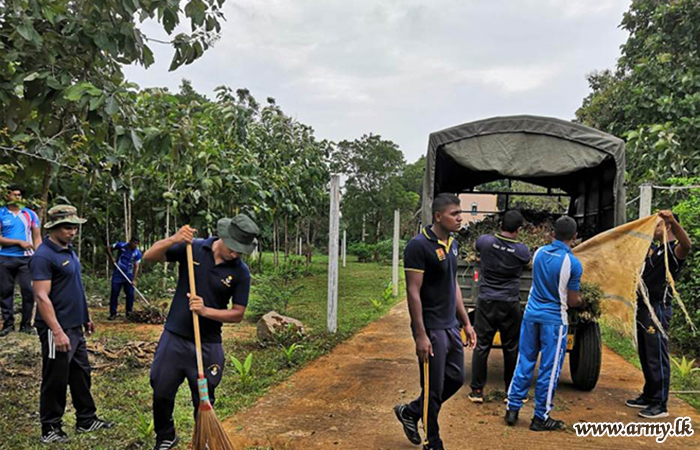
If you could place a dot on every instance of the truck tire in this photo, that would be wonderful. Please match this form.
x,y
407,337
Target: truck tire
x,y
585,357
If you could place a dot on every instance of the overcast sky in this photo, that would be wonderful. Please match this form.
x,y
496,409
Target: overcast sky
x,y
404,68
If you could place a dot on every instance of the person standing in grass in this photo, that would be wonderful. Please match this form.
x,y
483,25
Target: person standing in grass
x,y
20,236
61,319
124,274
221,277
556,282
437,312
651,343
498,306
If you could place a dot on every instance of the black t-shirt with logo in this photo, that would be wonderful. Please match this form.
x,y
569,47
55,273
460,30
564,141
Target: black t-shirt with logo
x,y
216,284
654,275
437,261
502,263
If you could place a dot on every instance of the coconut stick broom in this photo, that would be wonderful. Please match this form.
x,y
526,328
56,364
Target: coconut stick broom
x,y
208,432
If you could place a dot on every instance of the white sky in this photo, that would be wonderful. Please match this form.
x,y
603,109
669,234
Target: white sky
x,y
404,68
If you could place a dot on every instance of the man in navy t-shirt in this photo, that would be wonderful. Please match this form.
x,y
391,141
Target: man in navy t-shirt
x,y
556,282
651,343
498,306
126,270
61,316
437,313
221,277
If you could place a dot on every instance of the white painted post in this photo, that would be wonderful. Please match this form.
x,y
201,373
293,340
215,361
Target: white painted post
x,y
345,248
395,261
300,246
645,195
333,238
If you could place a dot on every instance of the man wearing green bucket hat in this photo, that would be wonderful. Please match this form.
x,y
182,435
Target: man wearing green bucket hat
x,y
221,278
62,317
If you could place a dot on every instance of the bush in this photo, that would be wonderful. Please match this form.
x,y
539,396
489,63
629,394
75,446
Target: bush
x,y
682,337
271,293
363,251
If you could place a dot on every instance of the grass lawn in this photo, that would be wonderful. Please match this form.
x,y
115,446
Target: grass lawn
x,y
122,391
623,346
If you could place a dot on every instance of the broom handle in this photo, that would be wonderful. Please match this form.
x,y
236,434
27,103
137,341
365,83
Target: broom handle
x,y
195,317
426,397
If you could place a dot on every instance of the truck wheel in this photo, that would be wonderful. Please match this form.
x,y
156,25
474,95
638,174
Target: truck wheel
x,y
585,357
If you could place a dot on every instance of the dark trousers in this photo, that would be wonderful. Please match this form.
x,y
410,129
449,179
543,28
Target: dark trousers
x,y
15,268
61,370
653,353
175,361
492,316
446,377
117,285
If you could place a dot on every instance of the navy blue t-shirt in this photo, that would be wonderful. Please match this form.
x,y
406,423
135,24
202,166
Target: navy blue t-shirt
x,y
654,275
437,261
216,284
62,267
502,262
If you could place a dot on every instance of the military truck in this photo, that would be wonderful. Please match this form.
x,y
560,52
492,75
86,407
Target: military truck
x,y
566,159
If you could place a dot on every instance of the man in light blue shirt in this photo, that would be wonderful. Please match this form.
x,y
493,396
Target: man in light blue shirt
x,y
19,236
556,282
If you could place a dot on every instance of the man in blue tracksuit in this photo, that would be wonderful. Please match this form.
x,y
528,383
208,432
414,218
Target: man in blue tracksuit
x,y
556,281
124,274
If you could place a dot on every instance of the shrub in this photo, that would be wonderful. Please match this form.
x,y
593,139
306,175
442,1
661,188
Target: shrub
x,y
363,251
271,293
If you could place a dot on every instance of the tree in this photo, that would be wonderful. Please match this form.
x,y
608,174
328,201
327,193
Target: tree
x,y
374,188
60,65
653,97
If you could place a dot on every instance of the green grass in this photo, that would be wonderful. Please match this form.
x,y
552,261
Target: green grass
x,y
122,391
624,346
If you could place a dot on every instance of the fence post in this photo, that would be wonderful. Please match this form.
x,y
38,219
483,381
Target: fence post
x,y
345,248
395,259
333,238
645,196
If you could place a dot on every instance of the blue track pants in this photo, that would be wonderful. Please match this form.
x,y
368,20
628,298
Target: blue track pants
x,y
550,341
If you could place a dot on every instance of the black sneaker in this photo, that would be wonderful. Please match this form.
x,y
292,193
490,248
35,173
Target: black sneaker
x,y
94,425
639,402
166,444
433,447
112,317
655,411
511,417
410,424
476,396
7,330
54,434
27,329
550,424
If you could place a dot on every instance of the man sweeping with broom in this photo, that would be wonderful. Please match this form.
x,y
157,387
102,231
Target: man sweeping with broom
x,y
220,276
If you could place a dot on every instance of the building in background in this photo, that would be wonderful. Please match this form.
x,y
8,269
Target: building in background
x,y
476,207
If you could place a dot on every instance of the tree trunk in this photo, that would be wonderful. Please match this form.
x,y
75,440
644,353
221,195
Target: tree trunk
x,y
286,238
364,227
276,256
308,243
109,242
45,185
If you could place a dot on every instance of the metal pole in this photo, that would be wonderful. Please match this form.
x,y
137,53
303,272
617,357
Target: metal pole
x,y
645,196
395,260
333,238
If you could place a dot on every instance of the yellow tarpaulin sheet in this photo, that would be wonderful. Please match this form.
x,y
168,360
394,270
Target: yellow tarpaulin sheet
x,y
614,260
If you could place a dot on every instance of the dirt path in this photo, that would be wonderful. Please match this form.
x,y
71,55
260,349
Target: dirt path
x,y
345,399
